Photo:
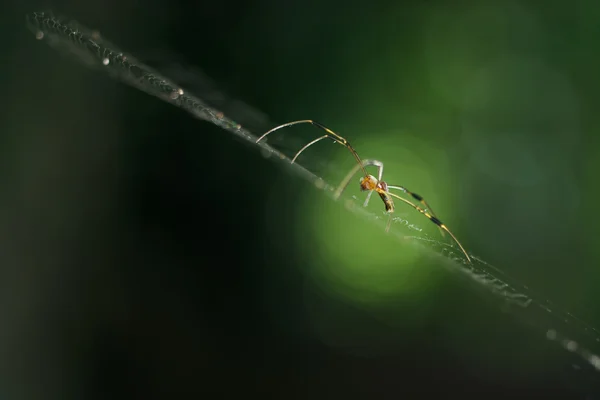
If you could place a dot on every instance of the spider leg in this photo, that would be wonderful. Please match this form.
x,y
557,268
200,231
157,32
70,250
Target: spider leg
x,y
379,166
307,146
331,134
420,199
389,223
344,183
436,221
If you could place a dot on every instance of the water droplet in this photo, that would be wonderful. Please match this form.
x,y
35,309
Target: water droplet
x,y
105,61
39,35
174,94
571,345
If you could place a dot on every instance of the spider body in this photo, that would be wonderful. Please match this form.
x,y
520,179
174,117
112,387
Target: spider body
x,y
370,183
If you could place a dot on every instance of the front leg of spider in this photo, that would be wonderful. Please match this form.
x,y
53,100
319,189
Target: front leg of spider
x,y
379,166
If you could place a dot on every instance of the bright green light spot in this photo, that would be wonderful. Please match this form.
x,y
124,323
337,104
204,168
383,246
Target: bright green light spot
x,y
355,259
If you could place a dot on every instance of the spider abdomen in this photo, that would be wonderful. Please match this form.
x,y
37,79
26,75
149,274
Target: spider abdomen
x,y
382,189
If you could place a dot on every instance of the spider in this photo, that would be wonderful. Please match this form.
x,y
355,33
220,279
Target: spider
x,y
369,182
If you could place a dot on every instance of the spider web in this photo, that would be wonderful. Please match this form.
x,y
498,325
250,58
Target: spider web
x,y
579,341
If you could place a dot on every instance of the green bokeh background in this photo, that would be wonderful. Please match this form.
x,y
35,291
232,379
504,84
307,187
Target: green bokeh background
x,y
136,238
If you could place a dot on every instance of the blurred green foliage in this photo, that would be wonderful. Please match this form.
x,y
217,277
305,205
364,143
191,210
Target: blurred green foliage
x,y
486,109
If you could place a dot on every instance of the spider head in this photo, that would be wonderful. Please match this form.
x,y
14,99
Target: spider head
x,y
368,182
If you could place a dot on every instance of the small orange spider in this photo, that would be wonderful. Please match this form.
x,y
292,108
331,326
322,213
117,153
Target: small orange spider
x,y
369,182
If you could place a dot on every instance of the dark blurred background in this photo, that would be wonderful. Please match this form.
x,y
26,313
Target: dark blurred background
x,y
147,254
